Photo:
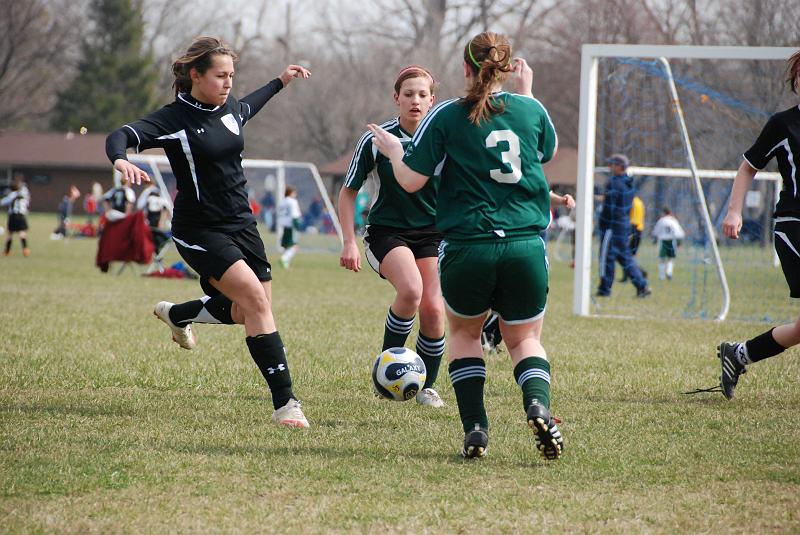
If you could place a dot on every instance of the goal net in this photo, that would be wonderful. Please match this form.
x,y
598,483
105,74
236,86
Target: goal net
x,y
266,182
683,116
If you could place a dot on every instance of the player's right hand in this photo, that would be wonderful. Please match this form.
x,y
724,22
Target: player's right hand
x,y
522,77
351,257
732,224
130,173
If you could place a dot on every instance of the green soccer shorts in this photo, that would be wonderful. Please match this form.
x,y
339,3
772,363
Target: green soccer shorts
x,y
509,277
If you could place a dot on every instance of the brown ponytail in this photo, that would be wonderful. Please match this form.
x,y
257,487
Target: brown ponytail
x,y
199,57
488,55
793,72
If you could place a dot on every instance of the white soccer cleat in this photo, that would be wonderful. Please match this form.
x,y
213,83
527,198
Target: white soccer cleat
x,y
290,415
429,397
183,336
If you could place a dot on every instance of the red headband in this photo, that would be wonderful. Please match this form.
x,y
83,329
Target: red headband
x,y
415,68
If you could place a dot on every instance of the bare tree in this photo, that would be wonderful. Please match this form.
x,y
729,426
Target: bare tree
x,y
35,56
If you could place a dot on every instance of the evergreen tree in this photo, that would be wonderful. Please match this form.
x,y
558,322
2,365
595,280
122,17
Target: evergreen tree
x,y
115,82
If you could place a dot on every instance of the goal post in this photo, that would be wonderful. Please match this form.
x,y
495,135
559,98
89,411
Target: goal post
x,y
685,167
263,176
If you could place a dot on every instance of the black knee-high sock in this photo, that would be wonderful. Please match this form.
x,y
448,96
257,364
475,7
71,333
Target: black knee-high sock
x,y
8,245
431,351
24,242
215,309
270,356
763,347
468,377
396,330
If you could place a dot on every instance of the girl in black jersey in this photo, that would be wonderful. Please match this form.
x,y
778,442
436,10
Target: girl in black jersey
x,y
401,242
779,138
212,226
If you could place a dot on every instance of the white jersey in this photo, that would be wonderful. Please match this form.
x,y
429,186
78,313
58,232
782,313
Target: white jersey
x,y
668,228
18,201
288,211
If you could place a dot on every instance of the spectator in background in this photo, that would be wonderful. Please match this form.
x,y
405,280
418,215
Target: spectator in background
x,y
118,202
637,227
668,231
615,225
268,210
18,200
289,221
65,212
314,212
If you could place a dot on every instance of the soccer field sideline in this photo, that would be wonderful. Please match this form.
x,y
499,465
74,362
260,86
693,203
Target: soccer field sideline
x,y
107,426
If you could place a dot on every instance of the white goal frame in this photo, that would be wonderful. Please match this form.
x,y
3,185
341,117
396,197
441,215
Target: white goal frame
x,y
590,55
279,166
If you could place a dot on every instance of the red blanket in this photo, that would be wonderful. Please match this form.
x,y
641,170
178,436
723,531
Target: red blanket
x,y
126,240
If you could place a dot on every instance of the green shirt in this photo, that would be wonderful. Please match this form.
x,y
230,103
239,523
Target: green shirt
x,y
393,206
492,182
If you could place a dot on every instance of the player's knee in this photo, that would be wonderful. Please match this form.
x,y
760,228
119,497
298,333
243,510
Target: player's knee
x,y
255,304
410,294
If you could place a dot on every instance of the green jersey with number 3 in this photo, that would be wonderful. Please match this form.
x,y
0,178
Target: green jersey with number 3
x,y
492,182
393,206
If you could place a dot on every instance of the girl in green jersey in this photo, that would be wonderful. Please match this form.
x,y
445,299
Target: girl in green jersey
x,y
493,202
400,241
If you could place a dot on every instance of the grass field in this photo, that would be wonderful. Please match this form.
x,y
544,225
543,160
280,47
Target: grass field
x,y
107,426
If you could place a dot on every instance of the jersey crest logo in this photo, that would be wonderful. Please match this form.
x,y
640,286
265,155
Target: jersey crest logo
x,y
230,123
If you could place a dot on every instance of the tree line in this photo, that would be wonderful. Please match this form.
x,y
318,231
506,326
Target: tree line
x,y
65,64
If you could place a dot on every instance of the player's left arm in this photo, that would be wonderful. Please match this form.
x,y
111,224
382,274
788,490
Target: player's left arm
x,y
258,98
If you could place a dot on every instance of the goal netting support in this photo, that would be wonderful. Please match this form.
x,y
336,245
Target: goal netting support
x,y
266,182
683,115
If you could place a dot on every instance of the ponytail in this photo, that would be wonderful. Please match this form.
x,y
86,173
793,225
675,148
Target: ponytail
x,y
488,55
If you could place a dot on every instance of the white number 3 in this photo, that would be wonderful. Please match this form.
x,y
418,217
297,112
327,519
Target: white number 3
x,y
510,156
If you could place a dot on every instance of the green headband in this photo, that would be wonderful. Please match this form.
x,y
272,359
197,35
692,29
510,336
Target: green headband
x,y
469,50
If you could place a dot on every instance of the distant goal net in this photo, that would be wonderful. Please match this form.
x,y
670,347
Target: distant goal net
x,y
683,116
266,183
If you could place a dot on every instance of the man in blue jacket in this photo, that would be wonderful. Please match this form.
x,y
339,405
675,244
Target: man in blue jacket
x,y
615,230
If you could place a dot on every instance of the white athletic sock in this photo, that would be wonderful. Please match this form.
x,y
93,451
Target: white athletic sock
x,y
669,268
661,271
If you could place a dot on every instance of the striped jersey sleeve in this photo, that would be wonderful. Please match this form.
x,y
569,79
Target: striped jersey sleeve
x,y
361,164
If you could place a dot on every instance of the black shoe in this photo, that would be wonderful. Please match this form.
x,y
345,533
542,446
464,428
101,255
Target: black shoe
x,y
476,443
731,369
548,438
644,292
601,293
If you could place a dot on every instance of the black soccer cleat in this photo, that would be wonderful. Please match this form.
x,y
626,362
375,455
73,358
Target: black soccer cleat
x,y
731,368
476,443
644,292
548,438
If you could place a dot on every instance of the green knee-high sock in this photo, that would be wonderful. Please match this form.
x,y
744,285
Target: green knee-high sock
x,y
533,377
468,376
431,351
396,330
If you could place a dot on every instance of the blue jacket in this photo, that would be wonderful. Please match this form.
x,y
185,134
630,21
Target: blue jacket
x,y
616,212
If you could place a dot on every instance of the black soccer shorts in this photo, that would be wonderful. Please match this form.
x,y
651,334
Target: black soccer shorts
x,y
787,245
211,252
379,240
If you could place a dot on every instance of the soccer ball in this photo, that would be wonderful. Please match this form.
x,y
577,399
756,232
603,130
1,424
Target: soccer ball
x,y
398,374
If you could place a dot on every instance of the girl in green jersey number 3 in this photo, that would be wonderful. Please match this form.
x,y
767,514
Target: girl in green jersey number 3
x,y
493,202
